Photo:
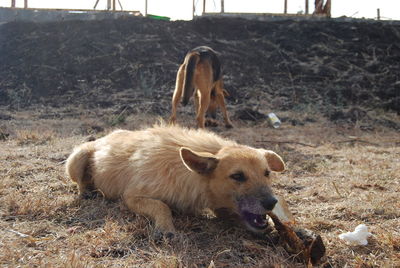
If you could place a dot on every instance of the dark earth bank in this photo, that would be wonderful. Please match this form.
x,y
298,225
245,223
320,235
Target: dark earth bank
x,y
340,69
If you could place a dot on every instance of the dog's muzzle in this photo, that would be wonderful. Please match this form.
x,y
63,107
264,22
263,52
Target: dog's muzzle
x,y
269,203
253,211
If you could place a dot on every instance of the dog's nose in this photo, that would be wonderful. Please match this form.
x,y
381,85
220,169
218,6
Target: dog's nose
x,y
269,203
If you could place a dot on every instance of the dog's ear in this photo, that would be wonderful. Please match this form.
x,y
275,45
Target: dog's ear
x,y
275,162
202,163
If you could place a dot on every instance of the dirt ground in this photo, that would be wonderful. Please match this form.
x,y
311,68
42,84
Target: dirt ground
x,y
334,84
337,177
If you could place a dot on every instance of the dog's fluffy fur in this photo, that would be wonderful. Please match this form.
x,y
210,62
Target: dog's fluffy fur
x,y
164,167
200,75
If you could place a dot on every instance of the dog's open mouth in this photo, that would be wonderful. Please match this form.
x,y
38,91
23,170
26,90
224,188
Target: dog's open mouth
x,y
256,221
252,213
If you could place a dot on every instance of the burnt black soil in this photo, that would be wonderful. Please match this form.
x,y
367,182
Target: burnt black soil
x,y
342,69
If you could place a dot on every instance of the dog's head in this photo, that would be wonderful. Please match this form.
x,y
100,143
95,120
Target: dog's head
x,y
239,180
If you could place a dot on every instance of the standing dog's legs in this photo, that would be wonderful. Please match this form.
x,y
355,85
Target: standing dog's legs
x,y
177,93
221,103
204,102
204,82
196,102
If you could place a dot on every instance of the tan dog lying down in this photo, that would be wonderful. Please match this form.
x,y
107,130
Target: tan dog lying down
x,y
160,168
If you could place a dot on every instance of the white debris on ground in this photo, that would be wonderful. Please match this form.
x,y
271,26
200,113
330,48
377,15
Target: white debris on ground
x,y
358,236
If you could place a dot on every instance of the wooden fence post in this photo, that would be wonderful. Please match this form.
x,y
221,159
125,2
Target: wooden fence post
x,y
285,7
306,7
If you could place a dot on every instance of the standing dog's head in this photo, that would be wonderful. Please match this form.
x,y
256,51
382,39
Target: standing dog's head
x,y
239,180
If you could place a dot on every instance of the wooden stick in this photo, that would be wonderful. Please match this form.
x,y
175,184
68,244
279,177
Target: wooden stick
x,y
293,142
358,140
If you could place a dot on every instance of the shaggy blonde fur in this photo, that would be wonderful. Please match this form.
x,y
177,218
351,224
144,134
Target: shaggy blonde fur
x,y
158,168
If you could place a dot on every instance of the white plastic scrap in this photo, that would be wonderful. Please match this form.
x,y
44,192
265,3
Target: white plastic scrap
x,y
358,237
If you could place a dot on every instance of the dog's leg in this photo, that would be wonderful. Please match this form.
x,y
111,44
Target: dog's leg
x,y
201,113
221,103
155,209
212,108
177,93
204,86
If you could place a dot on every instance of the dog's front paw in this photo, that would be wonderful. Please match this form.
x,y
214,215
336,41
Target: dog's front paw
x,y
160,236
229,125
172,120
211,123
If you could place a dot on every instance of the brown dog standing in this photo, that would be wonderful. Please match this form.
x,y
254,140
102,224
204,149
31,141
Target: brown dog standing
x,y
200,74
160,168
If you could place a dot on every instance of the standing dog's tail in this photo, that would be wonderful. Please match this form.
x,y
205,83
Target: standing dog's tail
x,y
77,166
188,86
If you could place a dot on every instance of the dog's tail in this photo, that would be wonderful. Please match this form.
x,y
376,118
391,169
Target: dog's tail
x,y
77,165
188,86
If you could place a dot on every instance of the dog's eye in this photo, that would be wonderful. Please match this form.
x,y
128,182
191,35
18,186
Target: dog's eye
x,y
267,172
238,177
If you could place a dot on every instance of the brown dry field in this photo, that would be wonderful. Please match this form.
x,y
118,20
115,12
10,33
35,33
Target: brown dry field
x,y
338,176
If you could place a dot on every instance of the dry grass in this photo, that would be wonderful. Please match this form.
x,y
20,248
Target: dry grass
x,y
337,178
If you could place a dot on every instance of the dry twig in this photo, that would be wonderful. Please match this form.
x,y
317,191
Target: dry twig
x,y
292,142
